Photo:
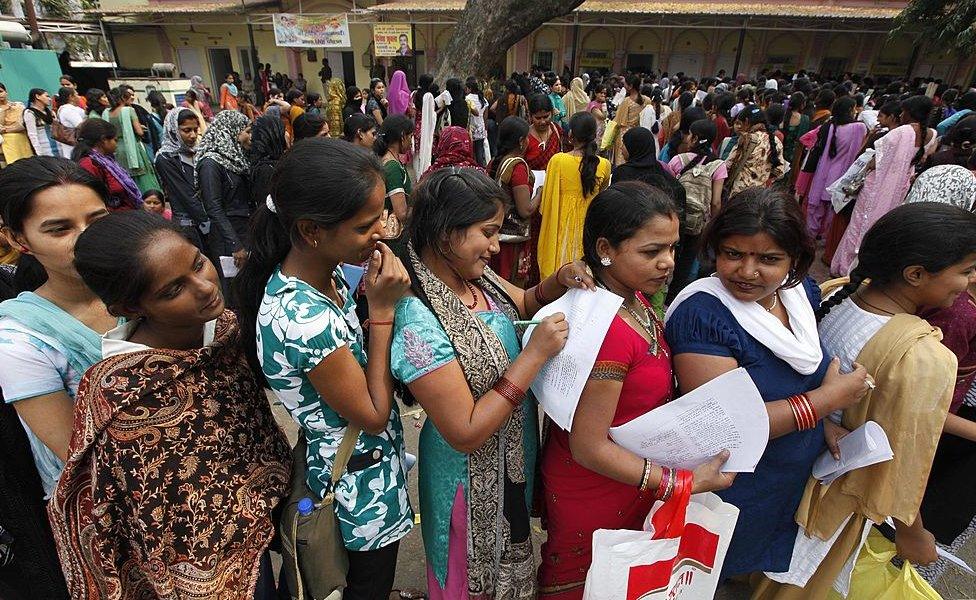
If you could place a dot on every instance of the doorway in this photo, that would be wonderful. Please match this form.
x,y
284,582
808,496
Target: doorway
x,y
190,63
220,66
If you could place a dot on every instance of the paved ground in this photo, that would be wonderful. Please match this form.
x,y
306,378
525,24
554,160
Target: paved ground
x,y
411,574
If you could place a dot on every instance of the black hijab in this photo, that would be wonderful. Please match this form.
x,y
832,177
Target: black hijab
x,y
642,165
267,146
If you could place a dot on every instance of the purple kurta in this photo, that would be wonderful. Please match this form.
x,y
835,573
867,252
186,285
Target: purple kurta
x,y
850,137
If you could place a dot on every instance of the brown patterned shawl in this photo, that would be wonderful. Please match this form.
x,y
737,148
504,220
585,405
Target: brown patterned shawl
x,y
174,466
498,565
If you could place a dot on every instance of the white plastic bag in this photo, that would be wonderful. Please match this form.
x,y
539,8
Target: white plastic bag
x,y
632,565
852,177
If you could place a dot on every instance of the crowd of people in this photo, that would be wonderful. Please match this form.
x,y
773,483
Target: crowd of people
x,y
384,247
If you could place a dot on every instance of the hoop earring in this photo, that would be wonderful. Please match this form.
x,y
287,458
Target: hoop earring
x,y
606,261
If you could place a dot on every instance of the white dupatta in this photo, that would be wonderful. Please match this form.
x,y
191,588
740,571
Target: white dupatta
x,y
428,124
799,348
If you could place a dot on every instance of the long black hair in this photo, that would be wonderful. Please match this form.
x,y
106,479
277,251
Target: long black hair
x,y
932,235
582,126
918,109
424,83
763,210
841,113
92,99
704,131
753,115
319,179
392,130
109,255
634,82
458,107
617,212
44,114
355,123
511,132
448,201
688,116
89,134
797,104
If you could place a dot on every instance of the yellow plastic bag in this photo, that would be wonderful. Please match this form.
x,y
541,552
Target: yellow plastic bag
x,y
875,578
609,135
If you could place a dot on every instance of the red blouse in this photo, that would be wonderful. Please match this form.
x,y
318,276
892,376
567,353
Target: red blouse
x,y
537,154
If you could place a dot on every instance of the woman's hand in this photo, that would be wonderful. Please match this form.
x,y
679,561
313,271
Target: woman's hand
x,y
240,257
840,391
386,281
833,433
917,546
709,478
549,336
575,275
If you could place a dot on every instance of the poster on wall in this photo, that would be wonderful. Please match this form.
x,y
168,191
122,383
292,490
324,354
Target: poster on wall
x,y
596,59
392,39
306,31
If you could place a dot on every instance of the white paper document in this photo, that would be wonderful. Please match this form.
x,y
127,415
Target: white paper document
x,y
560,382
540,180
227,266
725,413
865,446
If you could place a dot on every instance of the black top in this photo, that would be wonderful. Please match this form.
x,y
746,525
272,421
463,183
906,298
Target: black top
x,y
224,194
176,177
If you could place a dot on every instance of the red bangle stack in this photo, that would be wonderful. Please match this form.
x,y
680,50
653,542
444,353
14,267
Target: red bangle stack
x,y
803,411
539,298
666,488
509,391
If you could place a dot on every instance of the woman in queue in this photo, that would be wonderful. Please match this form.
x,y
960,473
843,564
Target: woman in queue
x,y
917,258
458,353
757,312
173,414
590,482
50,336
304,338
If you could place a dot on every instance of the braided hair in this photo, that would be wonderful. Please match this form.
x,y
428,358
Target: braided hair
x,y
704,131
932,235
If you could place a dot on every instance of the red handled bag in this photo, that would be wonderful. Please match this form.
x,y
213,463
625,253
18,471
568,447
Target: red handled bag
x,y
679,555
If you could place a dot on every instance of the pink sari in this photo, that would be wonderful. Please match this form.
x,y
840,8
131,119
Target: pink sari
x,y
884,189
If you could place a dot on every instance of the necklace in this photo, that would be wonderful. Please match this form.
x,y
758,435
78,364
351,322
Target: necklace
x,y
474,295
886,295
649,324
861,298
773,305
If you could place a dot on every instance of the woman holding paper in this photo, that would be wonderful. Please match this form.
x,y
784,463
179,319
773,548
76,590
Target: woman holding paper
x,y
456,349
590,482
918,256
756,312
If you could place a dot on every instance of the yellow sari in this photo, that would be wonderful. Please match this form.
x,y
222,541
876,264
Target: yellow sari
x,y
563,208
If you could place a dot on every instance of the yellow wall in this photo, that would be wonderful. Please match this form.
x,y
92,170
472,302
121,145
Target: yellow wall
x,y
139,48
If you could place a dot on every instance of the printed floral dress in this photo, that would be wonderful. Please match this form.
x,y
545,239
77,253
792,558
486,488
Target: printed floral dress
x,y
297,328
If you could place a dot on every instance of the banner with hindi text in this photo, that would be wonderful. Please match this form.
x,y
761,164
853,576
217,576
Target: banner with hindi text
x,y
311,31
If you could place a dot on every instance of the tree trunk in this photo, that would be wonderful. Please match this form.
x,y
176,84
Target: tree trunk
x,y
488,28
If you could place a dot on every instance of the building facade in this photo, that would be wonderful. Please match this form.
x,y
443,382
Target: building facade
x,y
698,38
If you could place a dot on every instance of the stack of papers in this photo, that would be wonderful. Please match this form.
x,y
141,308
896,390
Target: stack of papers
x,y
865,446
560,382
727,413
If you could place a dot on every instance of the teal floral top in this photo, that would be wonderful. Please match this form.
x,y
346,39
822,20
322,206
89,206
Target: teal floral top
x,y
421,346
297,327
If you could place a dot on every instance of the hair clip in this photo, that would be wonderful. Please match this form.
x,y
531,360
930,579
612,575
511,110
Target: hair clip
x,y
270,204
